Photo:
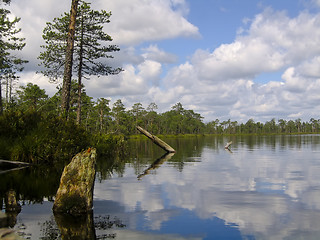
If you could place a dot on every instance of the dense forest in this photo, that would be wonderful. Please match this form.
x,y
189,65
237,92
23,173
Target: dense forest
x,y
100,117
37,128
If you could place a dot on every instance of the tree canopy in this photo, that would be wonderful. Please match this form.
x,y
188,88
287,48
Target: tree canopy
x,y
9,42
90,49
31,96
89,46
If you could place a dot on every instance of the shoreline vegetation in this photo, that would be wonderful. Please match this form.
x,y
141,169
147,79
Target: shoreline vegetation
x,y
32,128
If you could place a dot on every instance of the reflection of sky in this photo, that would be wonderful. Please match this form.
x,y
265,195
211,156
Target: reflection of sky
x,y
31,220
270,191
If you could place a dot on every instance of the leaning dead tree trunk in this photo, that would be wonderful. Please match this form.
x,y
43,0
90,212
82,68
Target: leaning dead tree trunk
x,y
228,145
157,140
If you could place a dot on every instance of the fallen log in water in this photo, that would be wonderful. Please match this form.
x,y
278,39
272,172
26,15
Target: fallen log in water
x,y
7,166
157,140
228,145
12,164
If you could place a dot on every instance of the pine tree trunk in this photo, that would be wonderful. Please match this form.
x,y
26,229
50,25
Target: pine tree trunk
x,y
101,119
10,91
7,91
80,76
69,59
1,106
79,101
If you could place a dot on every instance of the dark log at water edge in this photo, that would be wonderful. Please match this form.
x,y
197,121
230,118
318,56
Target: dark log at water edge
x,y
157,140
7,166
15,163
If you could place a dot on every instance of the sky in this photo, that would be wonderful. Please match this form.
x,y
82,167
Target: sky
x,y
224,59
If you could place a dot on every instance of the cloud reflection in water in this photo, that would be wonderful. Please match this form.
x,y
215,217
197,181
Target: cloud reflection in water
x,y
269,191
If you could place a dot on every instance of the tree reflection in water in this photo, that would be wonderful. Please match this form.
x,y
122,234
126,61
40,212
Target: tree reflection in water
x,y
80,227
38,185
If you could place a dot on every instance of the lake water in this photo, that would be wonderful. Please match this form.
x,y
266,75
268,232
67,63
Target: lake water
x,y
266,187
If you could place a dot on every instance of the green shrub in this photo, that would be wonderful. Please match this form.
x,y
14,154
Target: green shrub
x,y
109,145
34,137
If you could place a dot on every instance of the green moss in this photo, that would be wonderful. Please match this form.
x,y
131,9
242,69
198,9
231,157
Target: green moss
x,y
72,203
72,173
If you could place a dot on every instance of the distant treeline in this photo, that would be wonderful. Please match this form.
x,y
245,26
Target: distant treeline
x,y
99,117
273,126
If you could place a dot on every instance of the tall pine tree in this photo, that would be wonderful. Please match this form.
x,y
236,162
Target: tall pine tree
x,y
9,63
90,49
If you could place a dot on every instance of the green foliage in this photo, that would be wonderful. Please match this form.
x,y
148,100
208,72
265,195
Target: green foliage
x,y
270,127
109,145
31,96
89,44
103,112
8,41
16,124
89,49
120,125
9,62
56,139
34,137
182,121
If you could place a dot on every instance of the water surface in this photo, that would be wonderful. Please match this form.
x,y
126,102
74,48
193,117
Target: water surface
x,y
266,187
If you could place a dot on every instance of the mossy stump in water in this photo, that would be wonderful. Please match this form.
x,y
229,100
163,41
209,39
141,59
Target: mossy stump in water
x,y
75,193
11,202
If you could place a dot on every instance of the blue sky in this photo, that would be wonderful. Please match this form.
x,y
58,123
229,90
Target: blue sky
x,y
225,59
219,20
